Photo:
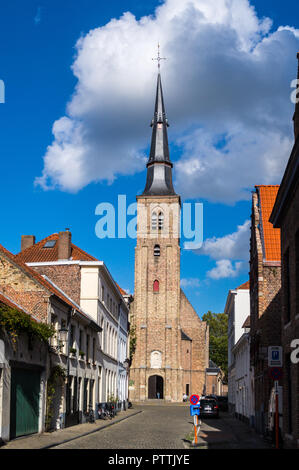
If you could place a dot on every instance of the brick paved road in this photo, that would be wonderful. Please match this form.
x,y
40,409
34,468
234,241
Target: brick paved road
x,y
166,427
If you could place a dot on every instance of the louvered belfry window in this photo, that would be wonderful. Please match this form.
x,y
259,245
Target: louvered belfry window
x,y
157,250
154,221
161,220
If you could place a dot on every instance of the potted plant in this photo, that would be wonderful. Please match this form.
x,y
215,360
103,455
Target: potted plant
x,y
81,354
73,351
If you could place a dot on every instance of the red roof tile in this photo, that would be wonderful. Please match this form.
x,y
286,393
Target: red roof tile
x,y
246,285
37,253
270,235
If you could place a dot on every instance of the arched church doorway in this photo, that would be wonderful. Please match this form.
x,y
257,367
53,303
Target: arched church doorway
x,y
155,387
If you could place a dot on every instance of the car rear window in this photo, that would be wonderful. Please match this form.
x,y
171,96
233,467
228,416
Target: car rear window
x,y
207,402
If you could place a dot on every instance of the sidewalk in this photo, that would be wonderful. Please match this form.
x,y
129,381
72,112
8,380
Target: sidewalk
x,y
229,433
51,439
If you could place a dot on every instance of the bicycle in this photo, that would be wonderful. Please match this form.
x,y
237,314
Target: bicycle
x,y
104,414
91,418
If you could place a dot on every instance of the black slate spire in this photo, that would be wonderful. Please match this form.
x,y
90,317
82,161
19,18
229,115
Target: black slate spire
x,y
159,166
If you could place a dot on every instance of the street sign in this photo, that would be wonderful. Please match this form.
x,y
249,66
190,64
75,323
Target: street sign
x,y
275,373
194,399
274,356
194,410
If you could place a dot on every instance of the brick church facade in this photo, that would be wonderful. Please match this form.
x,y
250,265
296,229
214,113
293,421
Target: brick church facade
x,y
172,343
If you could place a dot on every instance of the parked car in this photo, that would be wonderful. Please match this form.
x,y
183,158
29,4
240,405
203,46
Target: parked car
x,y
209,407
222,403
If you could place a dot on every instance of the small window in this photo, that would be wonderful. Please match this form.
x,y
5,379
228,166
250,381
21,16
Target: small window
x,y
161,220
154,221
156,286
157,250
50,244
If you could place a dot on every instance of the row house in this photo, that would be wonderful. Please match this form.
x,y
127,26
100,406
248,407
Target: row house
x,y
285,216
215,380
28,365
237,309
244,385
265,299
89,283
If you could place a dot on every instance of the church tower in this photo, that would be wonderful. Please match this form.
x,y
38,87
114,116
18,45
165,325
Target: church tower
x,y
161,367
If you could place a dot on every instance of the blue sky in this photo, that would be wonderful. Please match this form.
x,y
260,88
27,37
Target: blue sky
x,y
37,50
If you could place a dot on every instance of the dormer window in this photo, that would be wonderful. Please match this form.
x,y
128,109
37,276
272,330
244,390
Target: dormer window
x,y
157,250
50,244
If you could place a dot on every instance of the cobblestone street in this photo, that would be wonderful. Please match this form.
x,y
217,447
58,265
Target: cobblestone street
x,y
167,427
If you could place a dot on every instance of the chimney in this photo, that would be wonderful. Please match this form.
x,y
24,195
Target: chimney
x,y
296,114
27,241
64,245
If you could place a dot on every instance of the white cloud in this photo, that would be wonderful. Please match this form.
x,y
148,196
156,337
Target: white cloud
x,y
190,282
233,246
226,86
225,268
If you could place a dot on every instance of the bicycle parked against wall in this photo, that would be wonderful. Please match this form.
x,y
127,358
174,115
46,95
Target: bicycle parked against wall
x,y
91,418
104,413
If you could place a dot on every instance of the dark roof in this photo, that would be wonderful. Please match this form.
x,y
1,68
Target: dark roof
x,y
159,166
184,336
37,253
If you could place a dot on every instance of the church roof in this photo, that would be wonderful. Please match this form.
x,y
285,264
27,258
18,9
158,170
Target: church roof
x,y
159,166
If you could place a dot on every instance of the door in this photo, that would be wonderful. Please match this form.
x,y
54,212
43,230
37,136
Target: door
x,y
155,387
24,402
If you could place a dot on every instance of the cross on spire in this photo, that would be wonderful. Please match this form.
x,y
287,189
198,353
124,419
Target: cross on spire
x,y
158,59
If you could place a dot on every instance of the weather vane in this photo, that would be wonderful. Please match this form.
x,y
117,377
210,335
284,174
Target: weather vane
x,y
158,59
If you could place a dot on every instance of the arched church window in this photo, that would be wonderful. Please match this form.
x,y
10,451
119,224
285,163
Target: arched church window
x,y
157,250
161,220
154,221
156,286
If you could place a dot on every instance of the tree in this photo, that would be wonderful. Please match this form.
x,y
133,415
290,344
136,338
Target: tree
x,y
218,344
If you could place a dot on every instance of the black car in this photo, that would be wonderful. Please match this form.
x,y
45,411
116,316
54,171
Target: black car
x,y
209,407
222,403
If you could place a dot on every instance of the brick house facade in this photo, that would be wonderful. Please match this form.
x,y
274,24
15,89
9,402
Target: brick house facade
x,y
285,215
265,298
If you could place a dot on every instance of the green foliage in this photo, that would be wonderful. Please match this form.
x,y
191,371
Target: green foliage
x,y
57,376
133,341
218,323
15,323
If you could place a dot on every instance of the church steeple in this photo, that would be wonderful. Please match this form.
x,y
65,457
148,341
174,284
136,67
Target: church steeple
x,y
159,166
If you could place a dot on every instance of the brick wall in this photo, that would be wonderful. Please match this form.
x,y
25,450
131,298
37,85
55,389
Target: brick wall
x,y
23,289
265,317
66,277
159,316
